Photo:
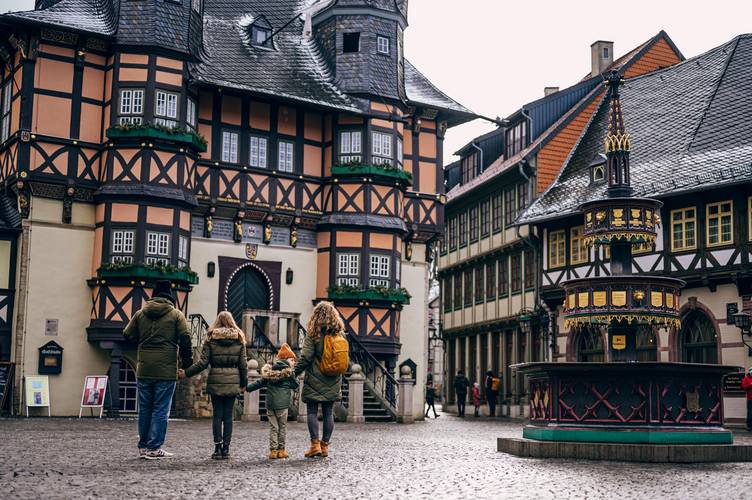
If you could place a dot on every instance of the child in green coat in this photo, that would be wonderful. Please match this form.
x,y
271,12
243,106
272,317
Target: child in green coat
x,y
279,381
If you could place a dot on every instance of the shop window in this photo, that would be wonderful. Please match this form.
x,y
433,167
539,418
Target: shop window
x,y
557,249
348,269
157,248
350,147
578,251
258,151
122,248
286,156
131,107
683,229
166,109
230,147
719,222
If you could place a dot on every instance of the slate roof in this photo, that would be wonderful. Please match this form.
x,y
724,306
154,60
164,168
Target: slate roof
x,y
420,90
690,128
90,16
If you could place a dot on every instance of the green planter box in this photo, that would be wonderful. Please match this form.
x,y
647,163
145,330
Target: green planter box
x,y
144,272
361,170
149,132
370,295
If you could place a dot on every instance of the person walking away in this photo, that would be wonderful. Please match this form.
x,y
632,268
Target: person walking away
x,y
461,383
431,399
280,381
324,359
747,386
476,398
161,333
492,388
224,352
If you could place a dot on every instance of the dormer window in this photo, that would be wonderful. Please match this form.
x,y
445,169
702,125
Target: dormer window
x,y
261,32
350,43
598,169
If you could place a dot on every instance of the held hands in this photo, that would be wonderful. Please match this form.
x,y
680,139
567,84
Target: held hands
x,y
181,373
242,390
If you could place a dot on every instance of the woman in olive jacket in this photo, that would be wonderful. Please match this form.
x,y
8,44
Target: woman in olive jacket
x,y
320,389
224,351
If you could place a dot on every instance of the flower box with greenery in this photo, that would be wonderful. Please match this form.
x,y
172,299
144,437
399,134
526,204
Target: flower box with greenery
x,y
360,169
153,131
380,293
154,271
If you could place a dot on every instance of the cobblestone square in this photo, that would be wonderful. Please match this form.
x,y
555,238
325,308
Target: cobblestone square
x,y
443,458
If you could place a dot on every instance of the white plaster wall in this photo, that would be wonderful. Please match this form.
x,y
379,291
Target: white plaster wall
x,y
59,265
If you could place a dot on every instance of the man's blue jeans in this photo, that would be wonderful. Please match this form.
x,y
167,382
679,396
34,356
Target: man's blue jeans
x,y
154,401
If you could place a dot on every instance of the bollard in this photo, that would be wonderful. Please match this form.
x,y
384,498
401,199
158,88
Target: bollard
x,y
405,399
251,401
355,397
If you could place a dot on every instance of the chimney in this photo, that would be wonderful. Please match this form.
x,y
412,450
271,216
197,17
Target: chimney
x,y
601,56
547,91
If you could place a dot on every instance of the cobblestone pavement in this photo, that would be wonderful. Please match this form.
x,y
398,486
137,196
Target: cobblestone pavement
x,y
443,458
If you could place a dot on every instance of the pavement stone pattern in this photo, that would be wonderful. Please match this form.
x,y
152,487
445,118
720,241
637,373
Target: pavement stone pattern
x,y
444,458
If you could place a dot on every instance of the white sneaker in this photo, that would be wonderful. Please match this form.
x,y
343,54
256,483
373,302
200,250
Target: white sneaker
x,y
157,454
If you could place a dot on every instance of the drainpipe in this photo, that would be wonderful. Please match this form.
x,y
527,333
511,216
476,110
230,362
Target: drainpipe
x,y
482,166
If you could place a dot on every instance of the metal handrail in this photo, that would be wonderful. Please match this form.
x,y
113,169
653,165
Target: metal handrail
x,y
383,383
199,327
261,344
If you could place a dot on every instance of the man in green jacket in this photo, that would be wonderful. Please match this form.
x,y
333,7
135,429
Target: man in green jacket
x,y
162,335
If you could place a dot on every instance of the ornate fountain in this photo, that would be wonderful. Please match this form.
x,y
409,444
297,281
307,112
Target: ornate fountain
x,y
623,401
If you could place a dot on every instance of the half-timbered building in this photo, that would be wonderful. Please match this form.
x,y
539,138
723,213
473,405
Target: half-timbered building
x,y
260,154
489,264
691,149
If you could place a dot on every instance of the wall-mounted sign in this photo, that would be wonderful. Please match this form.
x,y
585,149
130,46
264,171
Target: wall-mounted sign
x,y
51,327
732,384
619,342
50,358
95,388
37,393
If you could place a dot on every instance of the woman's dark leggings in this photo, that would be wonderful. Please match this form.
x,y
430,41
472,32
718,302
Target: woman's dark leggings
x,y
327,410
222,419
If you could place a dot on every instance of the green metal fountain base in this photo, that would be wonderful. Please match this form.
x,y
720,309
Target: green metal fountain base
x,y
629,435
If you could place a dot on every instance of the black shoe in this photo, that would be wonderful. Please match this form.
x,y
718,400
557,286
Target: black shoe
x,y
217,451
225,451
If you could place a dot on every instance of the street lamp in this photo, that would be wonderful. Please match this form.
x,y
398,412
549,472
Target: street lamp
x,y
526,322
744,321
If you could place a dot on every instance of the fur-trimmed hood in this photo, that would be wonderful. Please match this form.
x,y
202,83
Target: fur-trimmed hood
x,y
280,370
226,334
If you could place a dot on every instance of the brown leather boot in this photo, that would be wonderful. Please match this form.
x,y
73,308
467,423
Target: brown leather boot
x,y
315,450
324,449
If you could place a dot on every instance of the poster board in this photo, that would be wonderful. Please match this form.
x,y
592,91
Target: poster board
x,y
95,388
37,394
6,383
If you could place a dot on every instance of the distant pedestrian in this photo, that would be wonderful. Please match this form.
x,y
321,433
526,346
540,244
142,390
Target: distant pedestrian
x,y
476,398
492,390
431,399
461,383
747,386
324,359
224,351
161,332
280,381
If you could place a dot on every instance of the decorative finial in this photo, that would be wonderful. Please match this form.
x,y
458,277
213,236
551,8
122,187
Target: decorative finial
x,y
617,138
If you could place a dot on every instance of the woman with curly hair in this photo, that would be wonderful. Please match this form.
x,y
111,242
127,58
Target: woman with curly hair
x,y
319,388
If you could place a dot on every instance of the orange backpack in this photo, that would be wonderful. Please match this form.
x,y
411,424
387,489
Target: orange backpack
x,y
335,359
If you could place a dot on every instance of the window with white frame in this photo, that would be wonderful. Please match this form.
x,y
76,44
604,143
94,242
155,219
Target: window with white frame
x,y
285,162
157,248
131,107
230,147
382,45
183,250
381,148
350,147
400,153
5,110
122,246
190,113
379,270
348,269
258,153
166,109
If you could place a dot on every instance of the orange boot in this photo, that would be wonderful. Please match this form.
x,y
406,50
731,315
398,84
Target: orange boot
x,y
324,449
282,454
315,450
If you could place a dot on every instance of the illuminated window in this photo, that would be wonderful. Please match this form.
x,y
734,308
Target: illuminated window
x,y
578,251
720,220
683,229
557,255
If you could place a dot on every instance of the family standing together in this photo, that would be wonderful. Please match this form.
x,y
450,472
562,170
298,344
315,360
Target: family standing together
x,y
161,333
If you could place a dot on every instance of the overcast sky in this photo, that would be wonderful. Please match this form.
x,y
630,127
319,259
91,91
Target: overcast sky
x,y
493,56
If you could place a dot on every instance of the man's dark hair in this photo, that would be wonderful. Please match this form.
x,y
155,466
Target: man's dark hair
x,y
460,372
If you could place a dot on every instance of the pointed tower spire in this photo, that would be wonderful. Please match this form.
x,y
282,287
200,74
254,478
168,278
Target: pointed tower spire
x,y
617,142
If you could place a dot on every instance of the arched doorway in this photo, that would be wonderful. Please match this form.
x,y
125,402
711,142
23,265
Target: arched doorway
x,y
247,289
646,344
698,340
128,388
589,345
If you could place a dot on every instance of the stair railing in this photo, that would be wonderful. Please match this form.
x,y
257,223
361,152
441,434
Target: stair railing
x,y
198,329
382,384
260,346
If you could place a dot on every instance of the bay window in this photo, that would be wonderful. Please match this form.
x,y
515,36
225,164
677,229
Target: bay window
x,y
381,148
157,248
348,269
131,107
379,271
190,114
166,109
350,147
122,247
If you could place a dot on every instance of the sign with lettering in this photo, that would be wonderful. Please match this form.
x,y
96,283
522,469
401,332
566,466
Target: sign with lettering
x,y
619,342
95,388
732,383
50,327
37,393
